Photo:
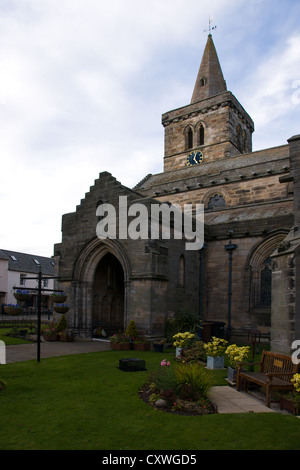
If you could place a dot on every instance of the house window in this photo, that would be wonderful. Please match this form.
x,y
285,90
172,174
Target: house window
x,y
22,279
45,282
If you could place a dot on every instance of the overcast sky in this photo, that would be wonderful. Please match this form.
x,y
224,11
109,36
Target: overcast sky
x,y
83,85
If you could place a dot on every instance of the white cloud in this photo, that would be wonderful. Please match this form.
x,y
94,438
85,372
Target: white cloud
x,y
83,84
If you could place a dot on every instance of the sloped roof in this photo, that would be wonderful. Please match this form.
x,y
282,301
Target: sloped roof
x,y
27,263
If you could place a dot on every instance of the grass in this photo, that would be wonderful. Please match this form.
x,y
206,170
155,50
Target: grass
x,y
85,402
10,340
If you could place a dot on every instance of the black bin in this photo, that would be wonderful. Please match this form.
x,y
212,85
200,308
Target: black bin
x,y
212,328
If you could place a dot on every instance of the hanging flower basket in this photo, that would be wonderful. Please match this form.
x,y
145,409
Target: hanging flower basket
x,y
59,297
22,295
13,309
61,308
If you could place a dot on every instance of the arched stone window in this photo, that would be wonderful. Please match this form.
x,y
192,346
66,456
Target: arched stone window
x,y
190,138
201,135
203,81
216,201
260,289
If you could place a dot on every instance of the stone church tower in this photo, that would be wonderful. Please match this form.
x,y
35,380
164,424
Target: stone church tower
x,y
248,199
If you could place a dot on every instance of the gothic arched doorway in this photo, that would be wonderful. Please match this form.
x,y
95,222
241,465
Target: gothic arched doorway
x,y
108,295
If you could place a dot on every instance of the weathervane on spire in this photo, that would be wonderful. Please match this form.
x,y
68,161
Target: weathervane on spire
x,y
210,27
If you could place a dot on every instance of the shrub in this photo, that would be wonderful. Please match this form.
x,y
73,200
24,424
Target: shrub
x,y
193,381
132,330
182,321
194,353
62,324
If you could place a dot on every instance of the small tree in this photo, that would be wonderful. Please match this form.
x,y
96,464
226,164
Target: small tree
x,y
62,324
132,330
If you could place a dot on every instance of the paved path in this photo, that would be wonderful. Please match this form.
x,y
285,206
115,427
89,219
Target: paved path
x,y
227,399
27,352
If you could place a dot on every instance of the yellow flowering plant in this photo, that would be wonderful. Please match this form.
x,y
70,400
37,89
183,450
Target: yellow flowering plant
x,y
296,381
216,347
184,340
237,354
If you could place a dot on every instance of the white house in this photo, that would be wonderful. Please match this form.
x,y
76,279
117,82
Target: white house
x,y
16,267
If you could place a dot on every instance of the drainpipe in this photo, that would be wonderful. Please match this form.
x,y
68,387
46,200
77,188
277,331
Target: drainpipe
x,y
201,289
230,248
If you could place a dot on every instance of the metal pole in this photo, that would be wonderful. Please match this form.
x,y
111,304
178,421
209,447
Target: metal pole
x,y
39,315
230,247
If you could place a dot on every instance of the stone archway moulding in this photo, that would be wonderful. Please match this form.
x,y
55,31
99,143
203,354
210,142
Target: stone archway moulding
x,y
91,255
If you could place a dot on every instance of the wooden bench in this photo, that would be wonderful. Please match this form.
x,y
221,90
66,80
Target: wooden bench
x,y
275,373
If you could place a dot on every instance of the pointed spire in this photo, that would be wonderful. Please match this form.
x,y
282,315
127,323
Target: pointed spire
x,y
210,80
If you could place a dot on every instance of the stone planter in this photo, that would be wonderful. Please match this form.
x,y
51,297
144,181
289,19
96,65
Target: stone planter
x,y
231,374
66,337
178,352
52,337
215,362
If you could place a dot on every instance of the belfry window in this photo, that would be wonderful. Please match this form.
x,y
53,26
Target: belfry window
x,y
201,135
190,139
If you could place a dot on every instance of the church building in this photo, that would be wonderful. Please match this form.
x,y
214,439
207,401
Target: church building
x,y
249,213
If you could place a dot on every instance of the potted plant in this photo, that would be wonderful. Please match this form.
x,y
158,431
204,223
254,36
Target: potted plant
x,y
236,354
50,332
22,295
291,401
13,309
159,344
183,340
61,308
215,351
120,342
141,344
99,332
59,297
66,335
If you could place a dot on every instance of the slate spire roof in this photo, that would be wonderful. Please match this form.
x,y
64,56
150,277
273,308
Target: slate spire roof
x,y
210,80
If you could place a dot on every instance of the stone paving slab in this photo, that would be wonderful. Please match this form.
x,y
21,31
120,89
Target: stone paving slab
x,y
229,400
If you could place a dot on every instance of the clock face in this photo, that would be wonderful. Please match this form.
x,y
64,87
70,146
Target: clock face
x,y
194,158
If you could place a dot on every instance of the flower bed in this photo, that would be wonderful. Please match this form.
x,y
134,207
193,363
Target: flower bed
x,y
180,389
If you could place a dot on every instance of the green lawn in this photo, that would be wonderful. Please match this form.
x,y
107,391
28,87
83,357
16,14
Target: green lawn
x,y
85,402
